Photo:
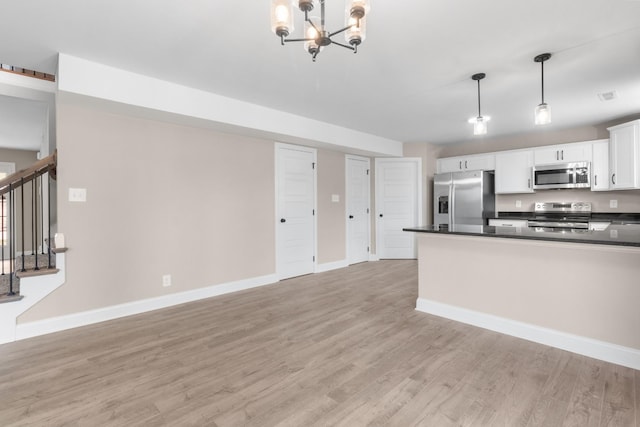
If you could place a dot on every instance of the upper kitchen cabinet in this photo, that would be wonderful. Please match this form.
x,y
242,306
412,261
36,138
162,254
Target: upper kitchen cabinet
x,y
600,165
566,153
624,156
513,172
466,163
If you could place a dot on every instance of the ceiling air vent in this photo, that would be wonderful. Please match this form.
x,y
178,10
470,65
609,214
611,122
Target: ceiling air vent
x,y
608,96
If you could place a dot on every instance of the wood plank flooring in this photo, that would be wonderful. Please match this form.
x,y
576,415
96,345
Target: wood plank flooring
x,y
342,348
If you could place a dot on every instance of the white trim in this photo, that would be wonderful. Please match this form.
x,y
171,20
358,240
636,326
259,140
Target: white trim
x,y
61,323
620,355
373,257
328,266
98,83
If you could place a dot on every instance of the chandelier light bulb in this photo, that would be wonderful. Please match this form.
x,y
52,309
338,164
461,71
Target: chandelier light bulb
x,y
282,18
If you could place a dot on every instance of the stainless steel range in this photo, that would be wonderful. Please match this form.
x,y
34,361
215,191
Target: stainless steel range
x,y
561,217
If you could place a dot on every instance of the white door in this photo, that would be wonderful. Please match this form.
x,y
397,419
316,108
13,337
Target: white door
x,y
358,207
295,210
398,205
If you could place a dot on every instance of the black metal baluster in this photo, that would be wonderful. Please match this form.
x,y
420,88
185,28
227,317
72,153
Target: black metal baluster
x,y
34,221
22,218
4,232
41,215
11,235
49,216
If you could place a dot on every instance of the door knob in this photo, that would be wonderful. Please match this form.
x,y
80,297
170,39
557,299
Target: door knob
x,y
350,216
380,215
283,220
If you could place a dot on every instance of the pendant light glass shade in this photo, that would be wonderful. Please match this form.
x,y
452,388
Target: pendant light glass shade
x,y
282,17
480,124
357,31
542,111
543,114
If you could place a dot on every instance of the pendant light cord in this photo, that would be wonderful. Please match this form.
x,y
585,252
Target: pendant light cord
x,y
479,114
542,68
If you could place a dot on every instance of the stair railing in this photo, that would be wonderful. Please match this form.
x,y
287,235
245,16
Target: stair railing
x,y
13,212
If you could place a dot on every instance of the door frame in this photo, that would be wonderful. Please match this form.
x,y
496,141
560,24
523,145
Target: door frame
x,y
346,204
278,146
419,196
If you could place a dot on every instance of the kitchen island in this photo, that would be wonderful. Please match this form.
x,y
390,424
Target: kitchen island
x,y
575,291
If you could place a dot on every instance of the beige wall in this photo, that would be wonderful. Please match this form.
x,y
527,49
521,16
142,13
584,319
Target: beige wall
x,y
22,158
600,301
169,199
331,215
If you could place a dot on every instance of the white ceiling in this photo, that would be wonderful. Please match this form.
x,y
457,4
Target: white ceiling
x,y
410,80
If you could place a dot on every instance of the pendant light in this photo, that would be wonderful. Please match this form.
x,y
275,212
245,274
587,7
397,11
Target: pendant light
x,y
543,111
480,122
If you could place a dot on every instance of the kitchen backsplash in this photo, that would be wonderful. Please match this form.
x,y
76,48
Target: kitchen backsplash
x,y
628,201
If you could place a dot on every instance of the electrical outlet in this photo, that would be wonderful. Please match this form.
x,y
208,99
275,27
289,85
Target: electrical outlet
x,y
518,203
613,203
166,280
77,194
335,198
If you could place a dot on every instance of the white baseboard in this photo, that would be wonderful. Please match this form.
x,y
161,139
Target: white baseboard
x,y
61,323
373,257
620,355
328,266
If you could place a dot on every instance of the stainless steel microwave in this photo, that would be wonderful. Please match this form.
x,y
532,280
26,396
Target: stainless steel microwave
x,y
562,175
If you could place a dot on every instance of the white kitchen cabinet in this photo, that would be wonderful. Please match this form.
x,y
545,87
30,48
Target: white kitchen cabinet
x,y
497,222
466,163
565,153
624,156
600,166
513,172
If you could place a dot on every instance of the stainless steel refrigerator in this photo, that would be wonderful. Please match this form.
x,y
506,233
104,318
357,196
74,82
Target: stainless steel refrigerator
x,y
463,198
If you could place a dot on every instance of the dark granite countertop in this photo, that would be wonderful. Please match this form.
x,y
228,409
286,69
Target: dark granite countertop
x,y
616,235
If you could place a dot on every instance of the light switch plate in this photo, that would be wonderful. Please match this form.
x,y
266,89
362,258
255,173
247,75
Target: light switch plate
x,y
77,194
335,198
518,203
613,203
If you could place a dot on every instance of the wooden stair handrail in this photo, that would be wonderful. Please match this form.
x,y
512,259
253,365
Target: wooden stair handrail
x,y
48,164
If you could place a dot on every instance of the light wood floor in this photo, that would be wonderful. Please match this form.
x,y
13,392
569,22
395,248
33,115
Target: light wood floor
x,y
340,348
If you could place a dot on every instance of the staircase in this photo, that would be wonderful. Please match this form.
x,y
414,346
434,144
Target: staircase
x,y
25,227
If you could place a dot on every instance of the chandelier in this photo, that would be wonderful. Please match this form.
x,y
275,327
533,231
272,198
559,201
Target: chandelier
x,y
316,34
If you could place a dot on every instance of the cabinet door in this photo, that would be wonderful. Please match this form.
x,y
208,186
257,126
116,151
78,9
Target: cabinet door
x,y
450,164
578,152
600,166
513,172
483,162
623,147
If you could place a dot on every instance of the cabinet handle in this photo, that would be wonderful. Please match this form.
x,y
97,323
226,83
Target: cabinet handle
x,y
613,179
561,154
557,155
529,183
595,180
465,165
460,166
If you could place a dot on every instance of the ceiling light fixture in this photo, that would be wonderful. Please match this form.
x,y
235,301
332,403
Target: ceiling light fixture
x,y
315,31
543,111
479,123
